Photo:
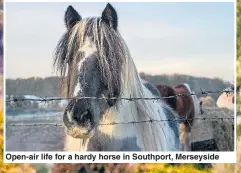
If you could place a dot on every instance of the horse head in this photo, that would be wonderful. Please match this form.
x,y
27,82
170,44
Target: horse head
x,y
168,91
91,52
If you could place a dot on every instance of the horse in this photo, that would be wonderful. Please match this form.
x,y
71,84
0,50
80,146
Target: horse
x,y
226,100
95,61
187,107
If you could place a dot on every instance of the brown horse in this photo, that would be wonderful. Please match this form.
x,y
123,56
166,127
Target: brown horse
x,y
187,108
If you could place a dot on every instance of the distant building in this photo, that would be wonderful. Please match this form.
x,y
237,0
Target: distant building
x,y
34,102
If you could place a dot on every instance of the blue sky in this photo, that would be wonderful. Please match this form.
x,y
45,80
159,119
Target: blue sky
x,y
163,38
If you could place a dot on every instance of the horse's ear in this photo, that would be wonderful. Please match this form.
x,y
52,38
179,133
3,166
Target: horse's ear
x,y
71,17
109,15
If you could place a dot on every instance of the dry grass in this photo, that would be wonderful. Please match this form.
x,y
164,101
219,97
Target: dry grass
x,y
208,101
222,130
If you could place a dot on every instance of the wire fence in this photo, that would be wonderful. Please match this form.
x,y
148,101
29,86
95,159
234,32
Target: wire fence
x,y
207,135
131,122
46,99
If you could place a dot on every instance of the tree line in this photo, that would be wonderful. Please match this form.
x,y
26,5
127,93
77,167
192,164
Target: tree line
x,y
50,86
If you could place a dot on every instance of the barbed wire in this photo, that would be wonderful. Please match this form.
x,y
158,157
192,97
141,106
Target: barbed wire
x,y
46,99
130,122
205,93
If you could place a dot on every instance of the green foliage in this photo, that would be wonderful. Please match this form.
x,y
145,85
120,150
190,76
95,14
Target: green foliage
x,y
238,68
130,168
167,168
238,130
42,170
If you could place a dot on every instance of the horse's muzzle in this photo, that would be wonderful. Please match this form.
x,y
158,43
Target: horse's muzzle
x,y
81,127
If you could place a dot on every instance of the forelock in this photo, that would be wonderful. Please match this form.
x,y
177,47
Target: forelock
x,y
110,48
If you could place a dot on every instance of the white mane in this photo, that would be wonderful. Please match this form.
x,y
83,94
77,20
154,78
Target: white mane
x,y
150,136
155,136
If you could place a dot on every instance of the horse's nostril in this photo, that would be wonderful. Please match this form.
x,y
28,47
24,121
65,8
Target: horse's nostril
x,y
82,115
82,118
